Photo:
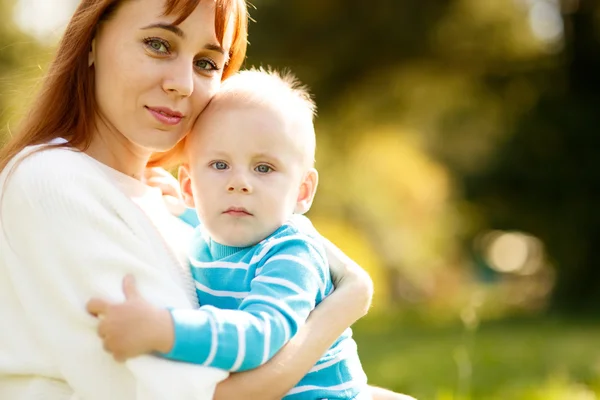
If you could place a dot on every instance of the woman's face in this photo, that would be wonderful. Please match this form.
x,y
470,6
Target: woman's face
x,y
152,78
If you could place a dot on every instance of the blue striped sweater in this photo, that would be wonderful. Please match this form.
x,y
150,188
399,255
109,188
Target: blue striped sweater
x,y
253,300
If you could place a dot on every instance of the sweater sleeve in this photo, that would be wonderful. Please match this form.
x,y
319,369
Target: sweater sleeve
x,y
67,240
190,217
289,282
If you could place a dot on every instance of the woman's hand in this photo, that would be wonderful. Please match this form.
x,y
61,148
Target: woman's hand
x,y
349,301
345,273
350,277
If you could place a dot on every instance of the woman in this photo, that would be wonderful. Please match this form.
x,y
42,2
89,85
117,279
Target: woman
x,y
129,79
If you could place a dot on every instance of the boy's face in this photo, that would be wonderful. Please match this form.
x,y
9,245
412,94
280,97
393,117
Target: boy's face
x,y
247,172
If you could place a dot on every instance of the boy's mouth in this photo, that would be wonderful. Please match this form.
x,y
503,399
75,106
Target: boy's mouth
x,y
237,212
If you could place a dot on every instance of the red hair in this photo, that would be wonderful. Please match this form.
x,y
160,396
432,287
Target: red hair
x,y
65,106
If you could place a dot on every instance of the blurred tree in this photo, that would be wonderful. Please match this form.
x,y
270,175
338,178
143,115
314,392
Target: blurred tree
x,y
333,44
546,178
393,82
348,52
509,115
423,104
20,58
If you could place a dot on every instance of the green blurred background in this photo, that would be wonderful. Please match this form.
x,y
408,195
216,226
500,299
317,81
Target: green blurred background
x,y
458,164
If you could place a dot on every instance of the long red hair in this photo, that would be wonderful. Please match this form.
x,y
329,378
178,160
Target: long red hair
x,y
65,106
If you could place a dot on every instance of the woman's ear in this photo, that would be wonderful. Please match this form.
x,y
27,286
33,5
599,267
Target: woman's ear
x,y
92,53
308,189
185,182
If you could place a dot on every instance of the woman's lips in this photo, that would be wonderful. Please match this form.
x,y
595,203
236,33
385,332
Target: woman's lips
x,y
165,115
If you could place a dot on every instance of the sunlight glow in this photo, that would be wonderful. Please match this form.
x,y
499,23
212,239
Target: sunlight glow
x,y
508,252
513,252
44,19
546,21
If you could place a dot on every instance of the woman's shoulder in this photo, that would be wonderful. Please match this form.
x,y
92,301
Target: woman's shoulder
x,y
43,174
49,156
49,164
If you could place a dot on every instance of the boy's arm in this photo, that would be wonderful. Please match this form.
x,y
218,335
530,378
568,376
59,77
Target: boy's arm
x,y
282,295
350,301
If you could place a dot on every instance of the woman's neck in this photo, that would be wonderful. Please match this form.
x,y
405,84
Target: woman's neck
x,y
115,150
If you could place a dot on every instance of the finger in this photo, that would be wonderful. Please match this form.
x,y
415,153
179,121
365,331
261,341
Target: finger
x,y
340,265
161,179
148,173
154,171
101,330
97,307
106,346
157,171
175,205
167,188
115,350
130,288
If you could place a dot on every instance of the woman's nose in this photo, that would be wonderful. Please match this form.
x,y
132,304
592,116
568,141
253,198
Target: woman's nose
x,y
180,79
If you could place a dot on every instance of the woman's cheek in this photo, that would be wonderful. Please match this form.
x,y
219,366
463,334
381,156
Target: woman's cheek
x,y
211,87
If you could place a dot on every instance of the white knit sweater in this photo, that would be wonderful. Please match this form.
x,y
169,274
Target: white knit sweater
x,y
70,229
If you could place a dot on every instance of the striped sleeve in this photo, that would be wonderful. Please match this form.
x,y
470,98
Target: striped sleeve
x,y
190,217
291,278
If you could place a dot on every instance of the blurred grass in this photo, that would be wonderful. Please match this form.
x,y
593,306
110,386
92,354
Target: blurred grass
x,y
512,359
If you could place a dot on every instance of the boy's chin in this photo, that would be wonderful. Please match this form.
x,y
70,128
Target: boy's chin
x,y
242,236
238,240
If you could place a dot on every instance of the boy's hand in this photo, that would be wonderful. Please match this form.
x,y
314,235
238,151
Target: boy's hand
x,y
169,186
133,327
162,179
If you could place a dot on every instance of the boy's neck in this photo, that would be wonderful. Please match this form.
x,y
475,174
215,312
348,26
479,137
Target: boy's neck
x,y
219,250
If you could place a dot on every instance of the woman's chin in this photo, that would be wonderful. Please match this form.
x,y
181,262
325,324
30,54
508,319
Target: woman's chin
x,y
158,141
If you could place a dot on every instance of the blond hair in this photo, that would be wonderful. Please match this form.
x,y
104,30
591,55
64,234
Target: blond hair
x,y
281,91
259,84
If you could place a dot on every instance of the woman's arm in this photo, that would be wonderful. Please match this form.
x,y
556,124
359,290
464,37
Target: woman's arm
x,y
68,235
350,301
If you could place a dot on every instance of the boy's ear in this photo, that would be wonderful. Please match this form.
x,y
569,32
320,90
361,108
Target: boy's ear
x,y
185,182
308,189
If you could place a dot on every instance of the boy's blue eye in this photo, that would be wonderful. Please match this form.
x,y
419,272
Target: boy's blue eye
x,y
263,169
219,165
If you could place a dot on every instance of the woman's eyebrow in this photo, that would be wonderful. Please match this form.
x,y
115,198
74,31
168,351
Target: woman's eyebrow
x,y
214,47
177,31
168,27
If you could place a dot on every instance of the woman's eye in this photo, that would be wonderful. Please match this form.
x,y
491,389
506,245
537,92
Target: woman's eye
x,y
206,65
263,169
158,46
220,165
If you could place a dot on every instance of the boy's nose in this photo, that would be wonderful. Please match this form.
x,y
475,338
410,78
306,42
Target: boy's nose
x,y
239,188
239,184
